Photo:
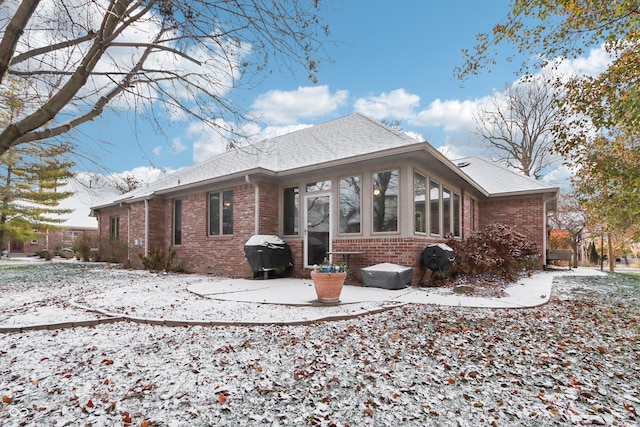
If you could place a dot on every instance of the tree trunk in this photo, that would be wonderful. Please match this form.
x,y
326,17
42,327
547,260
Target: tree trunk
x,y
612,258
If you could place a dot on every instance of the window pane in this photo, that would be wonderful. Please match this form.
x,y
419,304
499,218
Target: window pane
x,y
456,215
177,222
350,205
434,210
318,186
385,201
446,210
227,212
114,227
291,200
419,202
214,214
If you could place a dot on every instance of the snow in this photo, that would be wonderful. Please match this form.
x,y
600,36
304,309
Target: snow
x,y
387,266
407,357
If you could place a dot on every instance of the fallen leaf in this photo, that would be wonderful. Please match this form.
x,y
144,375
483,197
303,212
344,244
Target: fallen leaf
x,y
6,399
222,398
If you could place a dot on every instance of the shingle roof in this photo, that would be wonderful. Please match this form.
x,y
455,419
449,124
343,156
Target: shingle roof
x,y
498,180
342,138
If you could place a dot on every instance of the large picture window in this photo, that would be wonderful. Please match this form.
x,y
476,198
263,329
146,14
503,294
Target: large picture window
x,y
385,201
434,207
177,222
350,205
221,213
291,202
419,202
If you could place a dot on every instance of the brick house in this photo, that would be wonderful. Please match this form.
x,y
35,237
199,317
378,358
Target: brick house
x,y
73,225
351,184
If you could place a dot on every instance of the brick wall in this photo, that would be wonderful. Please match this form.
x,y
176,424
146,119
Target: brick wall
x,y
224,255
396,250
525,214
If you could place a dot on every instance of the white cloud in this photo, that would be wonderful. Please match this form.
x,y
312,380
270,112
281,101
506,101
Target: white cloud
x,y
596,62
450,114
278,107
206,141
397,104
177,146
157,150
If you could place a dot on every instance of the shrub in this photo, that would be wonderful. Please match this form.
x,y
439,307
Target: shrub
x,y
82,247
498,251
113,251
158,260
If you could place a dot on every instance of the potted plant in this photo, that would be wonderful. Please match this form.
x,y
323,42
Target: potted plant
x,y
328,280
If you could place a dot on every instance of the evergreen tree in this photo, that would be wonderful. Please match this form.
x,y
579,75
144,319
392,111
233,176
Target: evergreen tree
x,y
30,176
29,179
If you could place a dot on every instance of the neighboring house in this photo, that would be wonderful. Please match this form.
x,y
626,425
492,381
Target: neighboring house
x,y
74,224
351,184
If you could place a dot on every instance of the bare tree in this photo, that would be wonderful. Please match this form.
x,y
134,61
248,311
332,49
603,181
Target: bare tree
x,y
570,217
165,58
125,183
519,123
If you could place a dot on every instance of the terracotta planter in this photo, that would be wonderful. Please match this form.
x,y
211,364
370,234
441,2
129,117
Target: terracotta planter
x,y
328,286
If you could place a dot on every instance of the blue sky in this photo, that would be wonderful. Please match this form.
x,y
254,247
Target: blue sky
x,y
391,60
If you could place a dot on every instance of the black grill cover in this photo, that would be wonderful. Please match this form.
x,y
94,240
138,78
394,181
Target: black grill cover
x,y
266,252
438,257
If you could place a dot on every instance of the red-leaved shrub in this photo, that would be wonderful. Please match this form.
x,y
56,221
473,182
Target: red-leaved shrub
x,y
495,252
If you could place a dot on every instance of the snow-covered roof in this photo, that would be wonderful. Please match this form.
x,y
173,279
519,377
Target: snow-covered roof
x,y
342,139
497,180
80,202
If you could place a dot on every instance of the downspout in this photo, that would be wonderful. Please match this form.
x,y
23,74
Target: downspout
x,y
256,204
122,205
129,235
146,227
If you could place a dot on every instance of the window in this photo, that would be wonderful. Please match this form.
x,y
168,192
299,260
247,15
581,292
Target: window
x,y
385,201
70,236
291,201
457,232
177,222
446,210
434,207
318,186
114,227
221,213
419,202
350,205
472,214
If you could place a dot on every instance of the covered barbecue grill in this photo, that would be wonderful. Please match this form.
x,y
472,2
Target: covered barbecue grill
x,y
437,257
267,253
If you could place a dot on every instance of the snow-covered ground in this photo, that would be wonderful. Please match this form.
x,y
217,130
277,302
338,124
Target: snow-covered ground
x,y
424,360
